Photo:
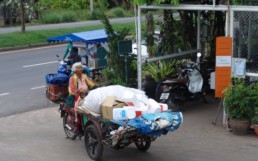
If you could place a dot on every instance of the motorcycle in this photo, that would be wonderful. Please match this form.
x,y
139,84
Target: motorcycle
x,y
188,86
71,128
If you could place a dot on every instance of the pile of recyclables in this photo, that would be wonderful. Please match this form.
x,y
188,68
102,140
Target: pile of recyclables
x,y
122,105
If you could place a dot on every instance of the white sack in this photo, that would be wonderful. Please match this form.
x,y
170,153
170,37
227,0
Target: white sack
x,y
95,97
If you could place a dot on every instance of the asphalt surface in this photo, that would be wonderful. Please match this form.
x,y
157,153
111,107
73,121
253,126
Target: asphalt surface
x,y
38,136
22,83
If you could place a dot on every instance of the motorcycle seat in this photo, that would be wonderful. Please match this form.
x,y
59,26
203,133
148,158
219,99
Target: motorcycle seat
x,y
179,80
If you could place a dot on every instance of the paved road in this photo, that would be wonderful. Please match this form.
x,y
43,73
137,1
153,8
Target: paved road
x,y
38,136
64,25
22,78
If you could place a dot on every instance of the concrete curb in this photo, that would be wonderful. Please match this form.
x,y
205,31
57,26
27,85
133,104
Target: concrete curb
x,y
30,46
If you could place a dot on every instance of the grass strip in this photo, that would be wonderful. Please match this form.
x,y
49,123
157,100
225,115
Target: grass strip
x,y
39,37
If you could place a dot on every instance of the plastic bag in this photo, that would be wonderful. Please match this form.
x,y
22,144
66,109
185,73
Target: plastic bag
x,y
95,97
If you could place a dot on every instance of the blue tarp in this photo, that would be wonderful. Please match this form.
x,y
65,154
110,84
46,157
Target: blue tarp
x,y
89,37
150,125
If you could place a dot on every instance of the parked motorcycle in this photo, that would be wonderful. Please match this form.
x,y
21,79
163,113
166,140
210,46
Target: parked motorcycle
x,y
187,87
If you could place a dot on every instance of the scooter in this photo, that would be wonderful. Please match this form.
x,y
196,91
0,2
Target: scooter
x,y
188,86
65,66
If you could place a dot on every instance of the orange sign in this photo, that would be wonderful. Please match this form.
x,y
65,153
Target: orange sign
x,y
223,64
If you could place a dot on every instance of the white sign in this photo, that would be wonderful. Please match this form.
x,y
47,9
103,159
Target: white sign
x,y
223,61
239,65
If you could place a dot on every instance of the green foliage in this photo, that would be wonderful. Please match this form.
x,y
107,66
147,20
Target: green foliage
x,y
255,120
239,2
95,14
141,2
114,60
101,5
110,77
52,17
64,4
73,4
60,16
160,70
118,12
239,100
69,16
15,9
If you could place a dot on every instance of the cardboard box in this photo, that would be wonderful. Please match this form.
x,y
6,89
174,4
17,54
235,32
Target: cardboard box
x,y
108,105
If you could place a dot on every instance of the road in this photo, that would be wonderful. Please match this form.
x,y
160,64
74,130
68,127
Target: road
x,y
4,30
22,78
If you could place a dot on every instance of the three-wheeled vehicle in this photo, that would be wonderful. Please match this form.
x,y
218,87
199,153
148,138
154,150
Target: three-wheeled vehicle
x,y
99,132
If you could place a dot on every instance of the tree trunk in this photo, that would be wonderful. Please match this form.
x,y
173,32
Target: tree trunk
x,y
22,16
188,28
91,7
36,9
150,28
167,36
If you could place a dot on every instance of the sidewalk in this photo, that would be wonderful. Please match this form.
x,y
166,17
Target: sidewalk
x,y
39,136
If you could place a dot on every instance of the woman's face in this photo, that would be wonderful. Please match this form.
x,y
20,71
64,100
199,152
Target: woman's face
x,y
78,70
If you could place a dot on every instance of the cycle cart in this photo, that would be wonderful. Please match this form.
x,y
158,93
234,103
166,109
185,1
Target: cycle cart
x,y
99,132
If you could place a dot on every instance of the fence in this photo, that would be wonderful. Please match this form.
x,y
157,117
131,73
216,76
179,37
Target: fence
x,y
245,42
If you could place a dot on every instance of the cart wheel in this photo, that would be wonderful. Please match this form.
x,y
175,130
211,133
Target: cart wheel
x,y
93,143
68,127
143,143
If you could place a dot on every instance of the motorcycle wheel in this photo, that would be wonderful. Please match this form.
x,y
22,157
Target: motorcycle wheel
x,y
174,106
93,143
143,143
68,128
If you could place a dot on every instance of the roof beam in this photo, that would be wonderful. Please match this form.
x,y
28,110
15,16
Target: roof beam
x,y
201,7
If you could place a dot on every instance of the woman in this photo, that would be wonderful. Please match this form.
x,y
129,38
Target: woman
x,y
79,82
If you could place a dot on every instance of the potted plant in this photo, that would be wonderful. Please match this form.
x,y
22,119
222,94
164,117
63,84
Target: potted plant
x,y
255,121
238,105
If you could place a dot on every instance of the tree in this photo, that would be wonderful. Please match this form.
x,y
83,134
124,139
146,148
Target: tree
x,y
22,11
115,61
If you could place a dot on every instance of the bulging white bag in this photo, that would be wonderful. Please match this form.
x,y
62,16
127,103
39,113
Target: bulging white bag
x,y
153,106
95,97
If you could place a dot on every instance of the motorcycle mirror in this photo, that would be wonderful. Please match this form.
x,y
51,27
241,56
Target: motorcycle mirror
x,y
199,55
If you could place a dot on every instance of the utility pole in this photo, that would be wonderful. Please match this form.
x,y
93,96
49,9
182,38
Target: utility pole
x,y
22,16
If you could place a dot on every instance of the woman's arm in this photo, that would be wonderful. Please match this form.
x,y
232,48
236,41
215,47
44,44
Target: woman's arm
x,y
90,83
73,90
